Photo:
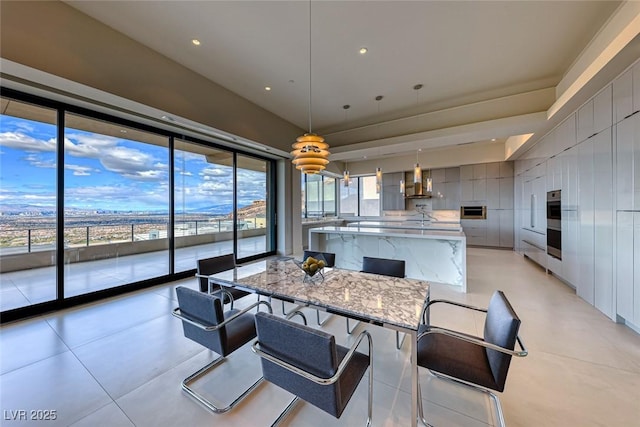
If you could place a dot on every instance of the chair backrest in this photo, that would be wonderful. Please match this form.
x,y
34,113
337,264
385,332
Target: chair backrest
x,y
384,266
206,309
500,328
214,265
309,349
330,258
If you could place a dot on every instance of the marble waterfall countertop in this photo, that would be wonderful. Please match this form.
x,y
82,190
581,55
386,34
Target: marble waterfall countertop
x,y
413,225
432,255
418,233
380,299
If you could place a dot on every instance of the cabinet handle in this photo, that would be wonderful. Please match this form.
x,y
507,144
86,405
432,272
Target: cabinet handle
x,y
533,210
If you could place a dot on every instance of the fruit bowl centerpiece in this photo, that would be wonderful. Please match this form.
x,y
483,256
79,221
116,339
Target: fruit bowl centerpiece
x,y
312,267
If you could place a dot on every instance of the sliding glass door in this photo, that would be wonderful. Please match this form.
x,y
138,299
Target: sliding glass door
x,y
116,205
254,221
203,179
28,204
93,205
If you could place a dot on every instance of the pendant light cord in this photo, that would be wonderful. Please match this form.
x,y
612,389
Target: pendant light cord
x,y
309,66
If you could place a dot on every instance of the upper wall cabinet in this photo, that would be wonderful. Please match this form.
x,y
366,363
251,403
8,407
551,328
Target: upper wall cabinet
x,y
627,172
596,115
626,94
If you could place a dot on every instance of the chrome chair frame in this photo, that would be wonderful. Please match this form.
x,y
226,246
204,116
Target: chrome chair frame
x,y
319,380
221,290
208,367
437,330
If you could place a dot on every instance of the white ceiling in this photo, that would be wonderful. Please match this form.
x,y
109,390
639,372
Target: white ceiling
x,y
462,52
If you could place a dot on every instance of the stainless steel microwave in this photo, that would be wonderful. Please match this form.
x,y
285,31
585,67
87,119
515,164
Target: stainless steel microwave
x,y
473,212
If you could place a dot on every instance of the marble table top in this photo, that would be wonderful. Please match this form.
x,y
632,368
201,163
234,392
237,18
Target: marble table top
x,y
370,297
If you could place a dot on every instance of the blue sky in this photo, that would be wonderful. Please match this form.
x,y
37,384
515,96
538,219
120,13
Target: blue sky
x,y
103,172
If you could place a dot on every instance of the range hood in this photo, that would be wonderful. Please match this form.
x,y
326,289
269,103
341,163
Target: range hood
x,y
418,192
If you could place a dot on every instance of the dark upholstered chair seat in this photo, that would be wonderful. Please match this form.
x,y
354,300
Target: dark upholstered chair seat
x,y
482,363
456,358
314,352
213,265
204,322
386,267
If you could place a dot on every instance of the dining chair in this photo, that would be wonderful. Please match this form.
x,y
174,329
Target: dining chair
x,y
204,322
384,267
213,265
309,364
480,363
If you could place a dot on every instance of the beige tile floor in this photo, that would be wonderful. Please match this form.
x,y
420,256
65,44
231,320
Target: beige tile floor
x,y
120,363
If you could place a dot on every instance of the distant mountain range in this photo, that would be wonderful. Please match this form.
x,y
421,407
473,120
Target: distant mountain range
x,y
217,210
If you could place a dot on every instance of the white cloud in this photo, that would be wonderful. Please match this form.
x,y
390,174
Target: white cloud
x,y
20,141
79,170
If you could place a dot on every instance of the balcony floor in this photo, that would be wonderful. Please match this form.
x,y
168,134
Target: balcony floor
x,y
26,287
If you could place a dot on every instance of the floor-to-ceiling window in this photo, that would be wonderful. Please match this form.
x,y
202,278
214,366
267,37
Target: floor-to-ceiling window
x,y
203,178
318,196
254,206
116,204
28,204
360,197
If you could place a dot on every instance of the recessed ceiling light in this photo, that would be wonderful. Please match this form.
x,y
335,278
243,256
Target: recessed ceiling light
x,y
493,140
267,88
123,131
363,50
196,42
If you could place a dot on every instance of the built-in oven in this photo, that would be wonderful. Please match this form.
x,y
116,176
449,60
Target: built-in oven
x,y
473,212
554,224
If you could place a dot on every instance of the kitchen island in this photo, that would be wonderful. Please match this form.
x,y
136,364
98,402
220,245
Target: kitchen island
x,y
434,255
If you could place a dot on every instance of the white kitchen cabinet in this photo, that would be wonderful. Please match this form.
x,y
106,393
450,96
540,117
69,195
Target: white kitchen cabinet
x,y
493,170
585,121
493,193
438,175
392,199
636,87
466,190
628,163
566,134
569,161
493,228
554,173
626,261
534,203
452,195
452,175
636,270
585,286
603,223
602,110
506,228
473,190
506,169
466,172
438,194
596,115
570,258
506,193
479,189
475,230
623,95
480,171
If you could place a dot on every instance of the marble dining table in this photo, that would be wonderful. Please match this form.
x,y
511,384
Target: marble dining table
x,y
391,302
